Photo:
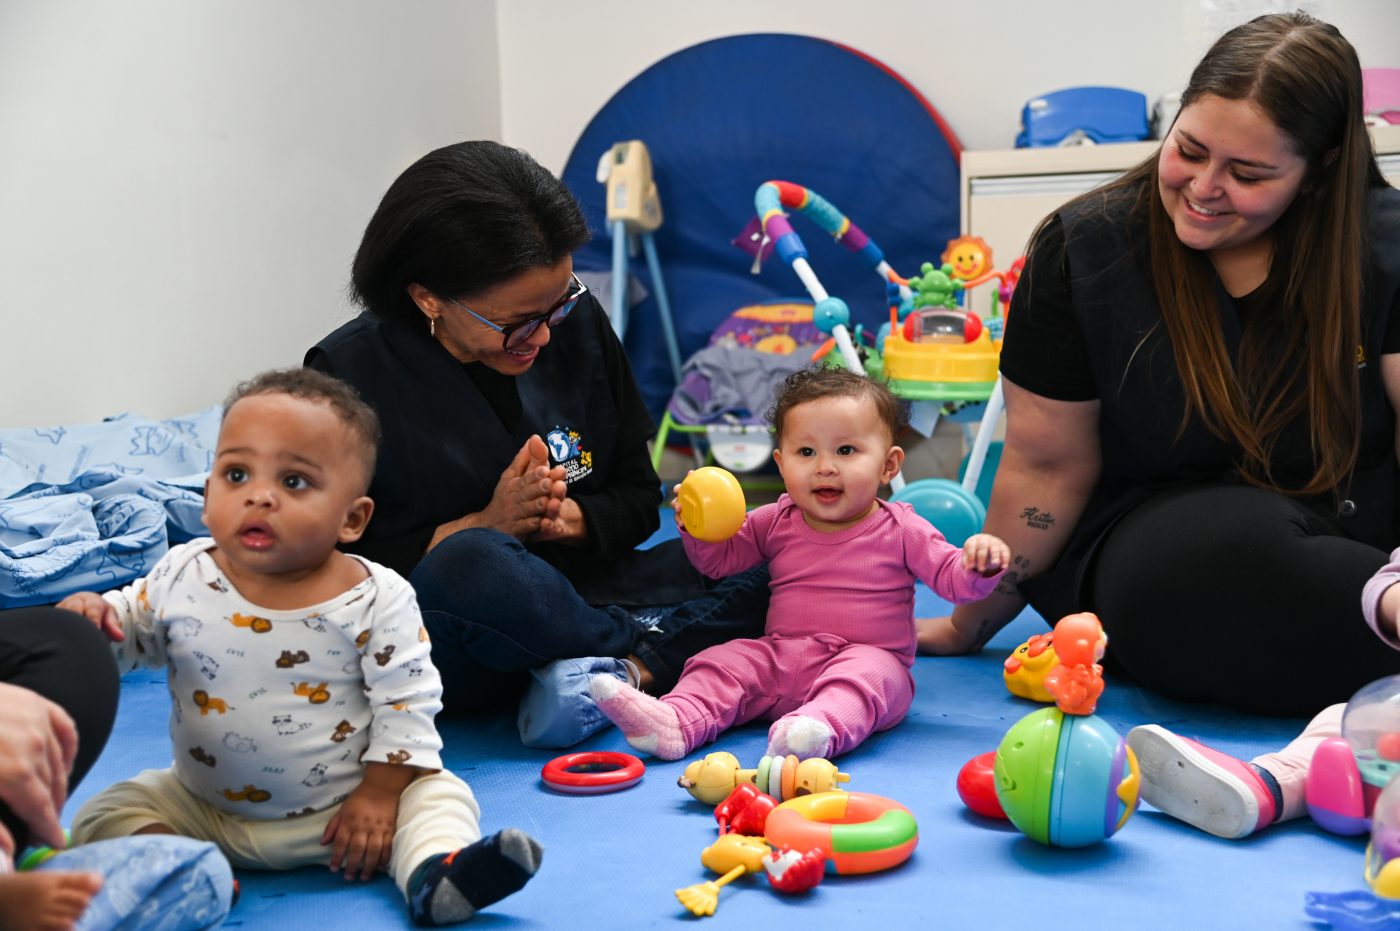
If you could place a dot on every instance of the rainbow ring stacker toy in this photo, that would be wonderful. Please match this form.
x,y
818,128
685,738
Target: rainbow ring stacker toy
x,y
856,831
712,504
592,773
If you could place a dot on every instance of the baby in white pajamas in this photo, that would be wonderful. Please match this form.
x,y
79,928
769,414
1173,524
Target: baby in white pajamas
x,y
302,690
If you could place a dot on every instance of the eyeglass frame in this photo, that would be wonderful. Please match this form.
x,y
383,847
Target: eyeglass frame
x,y
563,307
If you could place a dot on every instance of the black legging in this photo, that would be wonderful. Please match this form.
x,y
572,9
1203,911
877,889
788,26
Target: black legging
x,y
64,658
1237,595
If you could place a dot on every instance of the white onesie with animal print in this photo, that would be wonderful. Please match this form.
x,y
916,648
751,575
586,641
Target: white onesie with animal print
x,y
274,713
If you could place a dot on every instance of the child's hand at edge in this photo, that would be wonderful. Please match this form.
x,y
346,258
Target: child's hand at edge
x,y
1388,610
96,609
986,554
676,503
363,830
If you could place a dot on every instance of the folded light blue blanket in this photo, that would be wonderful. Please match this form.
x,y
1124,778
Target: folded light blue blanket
x,y
93,506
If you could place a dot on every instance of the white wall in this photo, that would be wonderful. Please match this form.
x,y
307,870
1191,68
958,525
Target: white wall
x,y
976,62
183,184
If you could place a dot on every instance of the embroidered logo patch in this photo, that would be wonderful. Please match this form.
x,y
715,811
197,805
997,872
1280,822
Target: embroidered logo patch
x,y
564,449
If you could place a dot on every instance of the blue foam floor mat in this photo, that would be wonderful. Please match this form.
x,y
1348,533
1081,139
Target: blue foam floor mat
x,y
615,860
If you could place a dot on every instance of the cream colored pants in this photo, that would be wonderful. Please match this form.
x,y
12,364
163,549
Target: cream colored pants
x,y
1290,765
437,814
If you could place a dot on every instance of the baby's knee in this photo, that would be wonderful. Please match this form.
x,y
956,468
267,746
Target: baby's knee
x,y
461,559
124,809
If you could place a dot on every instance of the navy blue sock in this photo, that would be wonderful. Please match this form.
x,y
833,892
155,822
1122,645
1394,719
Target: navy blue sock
x,y
1272,785
450,887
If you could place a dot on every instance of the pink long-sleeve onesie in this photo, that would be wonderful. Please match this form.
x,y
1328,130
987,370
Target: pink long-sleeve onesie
x,y
840,636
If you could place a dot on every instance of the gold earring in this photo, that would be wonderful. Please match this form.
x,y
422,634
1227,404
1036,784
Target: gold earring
x,y
432,327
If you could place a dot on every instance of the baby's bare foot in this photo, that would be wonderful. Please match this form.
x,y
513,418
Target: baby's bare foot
x,y
45,901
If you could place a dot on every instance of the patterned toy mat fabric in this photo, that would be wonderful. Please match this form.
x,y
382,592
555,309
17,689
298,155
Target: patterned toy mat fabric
x,y
732,379
615,860
93,506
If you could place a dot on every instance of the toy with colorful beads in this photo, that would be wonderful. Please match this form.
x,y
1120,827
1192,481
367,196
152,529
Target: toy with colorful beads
x,y
714,777
830,314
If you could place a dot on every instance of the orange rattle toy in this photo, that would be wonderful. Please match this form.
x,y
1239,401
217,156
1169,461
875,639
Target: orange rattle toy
x,y
712,504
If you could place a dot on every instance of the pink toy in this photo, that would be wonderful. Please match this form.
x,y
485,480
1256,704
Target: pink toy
x,y
1337,798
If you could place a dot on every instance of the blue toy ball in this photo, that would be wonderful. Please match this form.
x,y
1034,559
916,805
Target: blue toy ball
x,y
1066,780
947,505
830,312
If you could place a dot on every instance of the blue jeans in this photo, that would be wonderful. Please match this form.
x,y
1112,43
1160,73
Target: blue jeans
x,y
494,610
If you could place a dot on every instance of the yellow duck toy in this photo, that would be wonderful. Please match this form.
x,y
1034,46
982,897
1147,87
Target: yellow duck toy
x,y
1025,669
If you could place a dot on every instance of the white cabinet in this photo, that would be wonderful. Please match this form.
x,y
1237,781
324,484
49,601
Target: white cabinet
x,y
1005,193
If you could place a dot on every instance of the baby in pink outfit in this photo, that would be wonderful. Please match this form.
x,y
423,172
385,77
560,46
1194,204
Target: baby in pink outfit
x,y
834,663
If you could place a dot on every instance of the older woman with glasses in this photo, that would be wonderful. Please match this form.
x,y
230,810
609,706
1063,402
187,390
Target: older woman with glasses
x,y
514,481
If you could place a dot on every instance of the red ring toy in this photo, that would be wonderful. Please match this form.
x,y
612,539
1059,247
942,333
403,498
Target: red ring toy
x,y
592,773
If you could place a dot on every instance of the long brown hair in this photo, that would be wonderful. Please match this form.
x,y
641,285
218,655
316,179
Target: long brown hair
x,y
1306,78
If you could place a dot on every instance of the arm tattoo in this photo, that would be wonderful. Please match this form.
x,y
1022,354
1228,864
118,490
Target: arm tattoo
x,y
984,632
1009,584
1036,519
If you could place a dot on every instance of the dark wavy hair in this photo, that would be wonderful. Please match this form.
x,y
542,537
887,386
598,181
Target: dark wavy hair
x,y
813,384
320,388
458,221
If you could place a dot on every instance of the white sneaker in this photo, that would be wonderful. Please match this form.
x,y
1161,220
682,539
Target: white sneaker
x,y
1205,788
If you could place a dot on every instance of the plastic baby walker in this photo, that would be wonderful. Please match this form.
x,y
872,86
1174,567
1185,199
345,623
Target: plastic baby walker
x,y
1062,775
787,818
931,350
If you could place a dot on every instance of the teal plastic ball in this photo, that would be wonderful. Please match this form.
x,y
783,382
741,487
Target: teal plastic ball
x,y
829,313
956,513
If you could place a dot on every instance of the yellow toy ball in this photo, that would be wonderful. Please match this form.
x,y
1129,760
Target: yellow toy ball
x,y
712,504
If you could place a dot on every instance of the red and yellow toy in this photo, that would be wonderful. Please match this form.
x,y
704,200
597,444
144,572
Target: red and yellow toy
x,y
733,855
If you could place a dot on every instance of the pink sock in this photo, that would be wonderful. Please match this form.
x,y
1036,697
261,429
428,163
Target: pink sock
x,y
649,724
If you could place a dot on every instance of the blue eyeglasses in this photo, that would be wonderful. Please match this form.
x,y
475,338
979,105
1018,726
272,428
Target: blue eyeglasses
x,y
515,335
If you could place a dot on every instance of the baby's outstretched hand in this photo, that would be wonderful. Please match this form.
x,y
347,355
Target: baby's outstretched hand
x,y
986,554
96,609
